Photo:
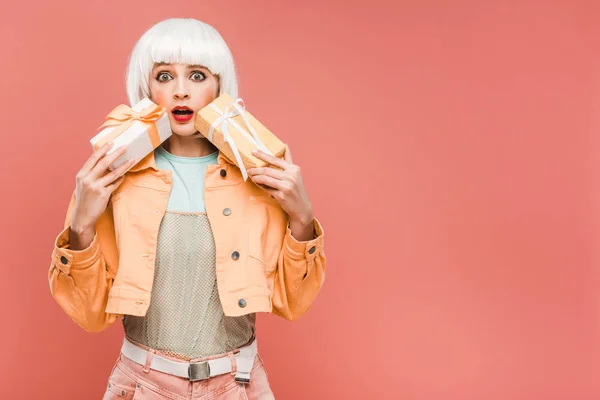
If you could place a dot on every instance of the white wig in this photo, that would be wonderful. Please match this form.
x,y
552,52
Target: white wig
x,y
181,41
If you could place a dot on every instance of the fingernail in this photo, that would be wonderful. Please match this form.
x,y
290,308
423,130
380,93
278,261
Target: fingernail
x,y
254,151
109,144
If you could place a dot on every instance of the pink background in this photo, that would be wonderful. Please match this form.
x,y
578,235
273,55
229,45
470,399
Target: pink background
x,y
449,148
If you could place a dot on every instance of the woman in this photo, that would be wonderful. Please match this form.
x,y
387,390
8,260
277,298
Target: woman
x,y
179,245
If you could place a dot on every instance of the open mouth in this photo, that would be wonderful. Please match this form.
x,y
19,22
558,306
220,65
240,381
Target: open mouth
x,y
181,110
182,113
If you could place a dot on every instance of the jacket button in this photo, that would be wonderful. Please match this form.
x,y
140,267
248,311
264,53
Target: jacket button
x,y
227,211
64,260
242,303
312,250
223,173
235,255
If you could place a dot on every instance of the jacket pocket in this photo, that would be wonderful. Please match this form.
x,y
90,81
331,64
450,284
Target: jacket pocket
x,y
266,230
251,270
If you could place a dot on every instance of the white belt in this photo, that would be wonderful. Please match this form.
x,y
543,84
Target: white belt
x,y
196,371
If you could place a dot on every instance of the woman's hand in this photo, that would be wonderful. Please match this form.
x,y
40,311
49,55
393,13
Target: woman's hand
x,y
284,183
95,183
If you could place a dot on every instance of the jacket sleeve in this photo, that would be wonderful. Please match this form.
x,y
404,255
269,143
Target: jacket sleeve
x,y
299,275
80,280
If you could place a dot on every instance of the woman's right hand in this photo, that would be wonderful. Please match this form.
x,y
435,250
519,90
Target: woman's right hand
x,y
95,183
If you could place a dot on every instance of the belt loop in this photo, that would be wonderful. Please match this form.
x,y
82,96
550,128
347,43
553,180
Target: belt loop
x,y
146,368
233,362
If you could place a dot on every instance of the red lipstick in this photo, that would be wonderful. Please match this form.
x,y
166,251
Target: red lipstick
x,y
182,113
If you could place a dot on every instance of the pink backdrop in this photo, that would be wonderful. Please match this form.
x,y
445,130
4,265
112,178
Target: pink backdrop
x,y
449,148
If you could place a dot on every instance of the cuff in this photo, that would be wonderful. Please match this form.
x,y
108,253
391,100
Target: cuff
x,y
65,258
307,249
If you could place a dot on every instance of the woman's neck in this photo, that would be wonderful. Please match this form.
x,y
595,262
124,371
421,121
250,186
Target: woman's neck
x,y
190,146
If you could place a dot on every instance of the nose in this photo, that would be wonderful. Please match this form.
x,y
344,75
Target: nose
x,y
181,90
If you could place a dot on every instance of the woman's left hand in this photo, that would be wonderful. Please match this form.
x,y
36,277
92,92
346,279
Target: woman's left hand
x,y
285,185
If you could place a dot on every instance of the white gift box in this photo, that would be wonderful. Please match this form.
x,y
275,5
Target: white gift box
x,y
136,136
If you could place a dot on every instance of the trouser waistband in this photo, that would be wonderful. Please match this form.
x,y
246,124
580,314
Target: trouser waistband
x,y
241,362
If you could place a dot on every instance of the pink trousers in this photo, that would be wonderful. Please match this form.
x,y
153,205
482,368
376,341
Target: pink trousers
x,y
131,381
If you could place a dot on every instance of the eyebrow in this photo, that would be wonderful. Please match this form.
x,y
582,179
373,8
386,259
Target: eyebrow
x,y
162,64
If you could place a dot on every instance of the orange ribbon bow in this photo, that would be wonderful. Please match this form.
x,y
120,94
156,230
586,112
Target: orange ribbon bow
x,y
122,117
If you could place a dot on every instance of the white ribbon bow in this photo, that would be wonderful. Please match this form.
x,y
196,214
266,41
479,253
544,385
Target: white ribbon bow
x,y
235,108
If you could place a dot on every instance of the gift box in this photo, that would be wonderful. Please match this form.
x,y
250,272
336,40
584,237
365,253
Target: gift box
x,y
235,132
142,128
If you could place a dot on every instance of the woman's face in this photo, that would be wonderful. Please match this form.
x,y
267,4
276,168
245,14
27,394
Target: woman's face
x,y
187,87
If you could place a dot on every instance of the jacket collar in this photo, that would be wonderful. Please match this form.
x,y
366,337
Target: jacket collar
x,y
150,162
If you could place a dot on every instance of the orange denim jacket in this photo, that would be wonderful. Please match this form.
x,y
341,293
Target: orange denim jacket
x,y
260,266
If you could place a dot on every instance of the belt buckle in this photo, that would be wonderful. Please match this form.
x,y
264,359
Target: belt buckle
x,y
199,371
241,380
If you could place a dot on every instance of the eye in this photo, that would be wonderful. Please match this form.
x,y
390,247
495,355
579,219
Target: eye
x,y
163,77
198,76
